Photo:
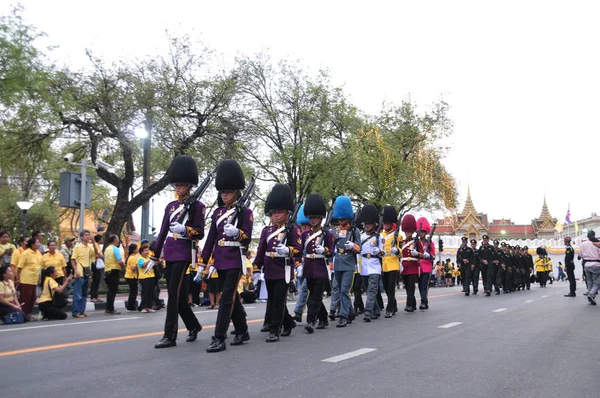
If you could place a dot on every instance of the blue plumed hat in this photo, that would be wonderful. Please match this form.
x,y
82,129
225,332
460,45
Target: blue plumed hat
x,y
301,218
342,208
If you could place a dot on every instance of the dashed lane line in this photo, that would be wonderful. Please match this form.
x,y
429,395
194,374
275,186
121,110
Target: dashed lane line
x,y
449,325
348,355
500,310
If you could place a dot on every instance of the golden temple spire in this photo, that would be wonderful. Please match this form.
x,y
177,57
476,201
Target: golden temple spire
x,y
469,206
545,212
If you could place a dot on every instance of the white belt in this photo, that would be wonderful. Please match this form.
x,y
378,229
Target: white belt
x,y
229,243
274,255
313,256
410,259
176,236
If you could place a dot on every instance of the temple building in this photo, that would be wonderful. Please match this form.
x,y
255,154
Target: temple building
x,y
474,225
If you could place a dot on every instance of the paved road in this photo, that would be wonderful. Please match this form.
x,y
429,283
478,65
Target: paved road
x,y
526,344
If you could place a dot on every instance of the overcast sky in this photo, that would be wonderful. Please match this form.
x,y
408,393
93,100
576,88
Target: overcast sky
x,y
521,77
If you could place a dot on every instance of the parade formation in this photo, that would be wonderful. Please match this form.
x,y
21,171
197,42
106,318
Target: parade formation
x,y
336,249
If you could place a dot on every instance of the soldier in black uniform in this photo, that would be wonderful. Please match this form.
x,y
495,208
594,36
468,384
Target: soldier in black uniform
x,y
477,268
527,266
508,283
570,266
487,254
518,268
464,258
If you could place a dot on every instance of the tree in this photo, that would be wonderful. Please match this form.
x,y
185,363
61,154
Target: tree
x,y
292,125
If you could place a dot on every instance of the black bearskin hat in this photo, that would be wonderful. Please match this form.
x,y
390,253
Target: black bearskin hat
x,y
369,214
390,214
183,169
229,176
314,206
279,198
540,251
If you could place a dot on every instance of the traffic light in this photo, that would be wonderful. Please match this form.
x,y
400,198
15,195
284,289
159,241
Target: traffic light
x,y
440,245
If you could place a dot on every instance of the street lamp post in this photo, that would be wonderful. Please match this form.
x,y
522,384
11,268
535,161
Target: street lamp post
x,y
24,206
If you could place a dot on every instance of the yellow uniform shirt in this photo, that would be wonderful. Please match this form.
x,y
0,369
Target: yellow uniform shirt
x,y
7,290
54,260
4,248
141,264
131,268
112,255
16,256
49,284
542,264
30,265
390,262
83,255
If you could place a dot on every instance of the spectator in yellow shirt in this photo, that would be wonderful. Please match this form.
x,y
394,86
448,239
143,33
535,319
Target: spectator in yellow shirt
x,y
146,280
131,276
8,294
6,248
55,259
28,275
112,271
81,259
49,289
14,260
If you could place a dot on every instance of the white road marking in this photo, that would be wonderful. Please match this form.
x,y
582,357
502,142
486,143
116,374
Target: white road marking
x,y
500,310
529,301
545,296
70,324
449,325
348,355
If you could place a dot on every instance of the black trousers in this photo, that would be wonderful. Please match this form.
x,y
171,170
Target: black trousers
x,y
96,276
571,276
112,282
389,284
316,309
133,291
276,302
509,279
147,293
230,306
465,274
248,297
527,277
156,296
542,277
194,288
359,305
177,303
410,282
51,312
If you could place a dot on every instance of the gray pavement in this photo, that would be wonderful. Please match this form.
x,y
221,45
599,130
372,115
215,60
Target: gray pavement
x,y
534,343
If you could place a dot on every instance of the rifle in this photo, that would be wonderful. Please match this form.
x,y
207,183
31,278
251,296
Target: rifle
x,y
242,203
418,236
190,202
396,234
289,226
328,217
430,239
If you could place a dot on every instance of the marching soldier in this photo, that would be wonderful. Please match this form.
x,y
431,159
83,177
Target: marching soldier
x,y
272,254
570,266
528,266
506,263
317,247
225,243
465,257
390,246
346,246
476,268
499,269
486,255
427,254
518,268
410,261
177,240
370,269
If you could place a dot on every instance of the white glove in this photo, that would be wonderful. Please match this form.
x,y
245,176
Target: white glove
x,y
349,245
426,256
395,251
299,271
282,250
149,267
319,249
178,228
230,230
414,253
375,251
198,277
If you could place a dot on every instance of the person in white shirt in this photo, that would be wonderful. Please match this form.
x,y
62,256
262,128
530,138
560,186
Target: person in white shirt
x,y
590,255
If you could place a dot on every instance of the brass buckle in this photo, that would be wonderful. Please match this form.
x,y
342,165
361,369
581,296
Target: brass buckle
x,y
272,255
341,251
222,243
368,255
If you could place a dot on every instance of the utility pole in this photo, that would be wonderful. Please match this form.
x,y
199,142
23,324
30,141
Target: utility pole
x,y
147,148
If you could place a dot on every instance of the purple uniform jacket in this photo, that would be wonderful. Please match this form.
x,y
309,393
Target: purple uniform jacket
x,y
316,267
274,266
227,257
180,249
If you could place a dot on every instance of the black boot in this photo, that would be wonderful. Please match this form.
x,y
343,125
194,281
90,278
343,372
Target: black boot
x,y
272,338
388,314
332,315
193,334
298,318
342,323
310,327
165,343
240,338
322,324
217,345
265,329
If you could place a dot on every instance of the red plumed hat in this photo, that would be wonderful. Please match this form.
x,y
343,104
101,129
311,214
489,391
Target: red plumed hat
x,y
409,224
424,224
